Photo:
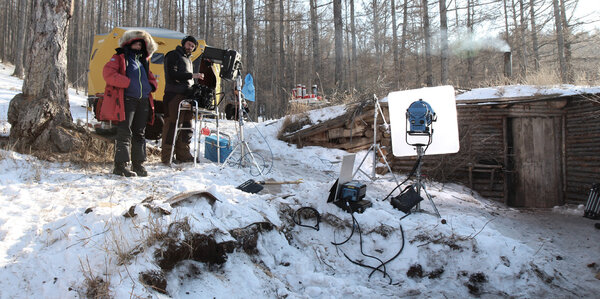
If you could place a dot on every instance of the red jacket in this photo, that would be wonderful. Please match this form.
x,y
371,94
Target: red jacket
x,y
112,106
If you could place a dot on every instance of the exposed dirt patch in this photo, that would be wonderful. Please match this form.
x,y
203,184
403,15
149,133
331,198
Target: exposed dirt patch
x,y
476,282
181,244
415,271
154,279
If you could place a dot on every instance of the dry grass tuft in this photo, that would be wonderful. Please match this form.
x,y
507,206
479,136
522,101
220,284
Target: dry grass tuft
x,y
95,286
292,124
298,108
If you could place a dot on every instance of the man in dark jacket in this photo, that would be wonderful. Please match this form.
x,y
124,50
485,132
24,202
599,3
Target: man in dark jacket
x,y
128,99
179,78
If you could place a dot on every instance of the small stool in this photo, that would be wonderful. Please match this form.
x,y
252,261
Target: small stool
x,y
186,105
191,105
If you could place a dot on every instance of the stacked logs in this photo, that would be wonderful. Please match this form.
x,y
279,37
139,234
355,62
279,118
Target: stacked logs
x,y
352,131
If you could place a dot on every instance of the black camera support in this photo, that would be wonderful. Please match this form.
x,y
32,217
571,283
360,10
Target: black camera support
x,y
419,181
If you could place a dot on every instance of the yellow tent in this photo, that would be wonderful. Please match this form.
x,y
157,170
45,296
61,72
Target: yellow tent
x,y
105,45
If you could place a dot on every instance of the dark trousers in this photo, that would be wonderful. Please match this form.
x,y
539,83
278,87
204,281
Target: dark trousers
x,y
130,133
185,120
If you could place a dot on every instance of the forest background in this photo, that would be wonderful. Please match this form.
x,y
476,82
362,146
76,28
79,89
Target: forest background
x,y
349,49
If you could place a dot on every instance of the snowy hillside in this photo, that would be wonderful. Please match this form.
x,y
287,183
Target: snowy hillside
x,y
63,233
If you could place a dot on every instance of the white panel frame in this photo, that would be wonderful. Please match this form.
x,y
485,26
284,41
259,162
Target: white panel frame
x,y
444,139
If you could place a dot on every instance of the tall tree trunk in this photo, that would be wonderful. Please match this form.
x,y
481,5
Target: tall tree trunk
x,y
272,52
560,42
250,36
354,60
182,16
139,15
19,72
232,37
427,32
444,42
210,22
376,37
40,116
339,42
282,64
395,43
534,38
316,57
402,77
523,28
4,31
470,54
567,38
506,21
201,19
99,27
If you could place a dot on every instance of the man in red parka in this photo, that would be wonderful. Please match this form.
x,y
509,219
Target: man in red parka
x,y
128,99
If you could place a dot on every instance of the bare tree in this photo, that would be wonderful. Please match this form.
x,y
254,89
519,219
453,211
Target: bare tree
x,y
534,36
314,25
40,117
567,41
250,36
353,29
201,17
560,41
444,42
339,40
395,42
19,72
522,29
282,63
470,25
427,32
403,39
376,36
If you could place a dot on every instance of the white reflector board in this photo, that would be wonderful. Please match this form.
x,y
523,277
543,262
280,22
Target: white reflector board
x,y
444,139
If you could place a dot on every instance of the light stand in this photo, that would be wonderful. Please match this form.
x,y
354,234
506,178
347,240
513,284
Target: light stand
x,y
375,147
419,183
419,119
242,145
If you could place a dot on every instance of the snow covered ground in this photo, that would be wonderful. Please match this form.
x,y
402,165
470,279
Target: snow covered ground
x,y
62,231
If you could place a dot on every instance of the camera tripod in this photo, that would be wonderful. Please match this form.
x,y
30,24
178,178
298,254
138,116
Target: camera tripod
x,y
375,147
419,181
242,145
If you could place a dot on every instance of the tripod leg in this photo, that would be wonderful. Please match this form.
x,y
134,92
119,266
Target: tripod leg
x,y
252,156
361,163
387,164
431,201
235,148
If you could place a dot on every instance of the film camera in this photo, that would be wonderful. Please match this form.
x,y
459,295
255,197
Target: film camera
x,y
230,61
203,95
350,197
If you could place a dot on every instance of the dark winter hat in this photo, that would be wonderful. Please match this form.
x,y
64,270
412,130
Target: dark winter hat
x,y
190,39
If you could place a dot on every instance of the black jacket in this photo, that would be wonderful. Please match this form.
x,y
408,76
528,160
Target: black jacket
x,y
178,71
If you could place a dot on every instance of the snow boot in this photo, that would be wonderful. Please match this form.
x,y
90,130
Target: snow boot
x,y
121,169
165,153
139,169
182,152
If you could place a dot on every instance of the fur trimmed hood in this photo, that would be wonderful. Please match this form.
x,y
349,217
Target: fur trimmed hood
x,y
130,36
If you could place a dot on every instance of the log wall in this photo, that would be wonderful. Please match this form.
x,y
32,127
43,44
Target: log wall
x,y
582,148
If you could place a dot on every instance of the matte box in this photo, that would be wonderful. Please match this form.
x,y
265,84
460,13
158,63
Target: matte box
x,y
210,148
